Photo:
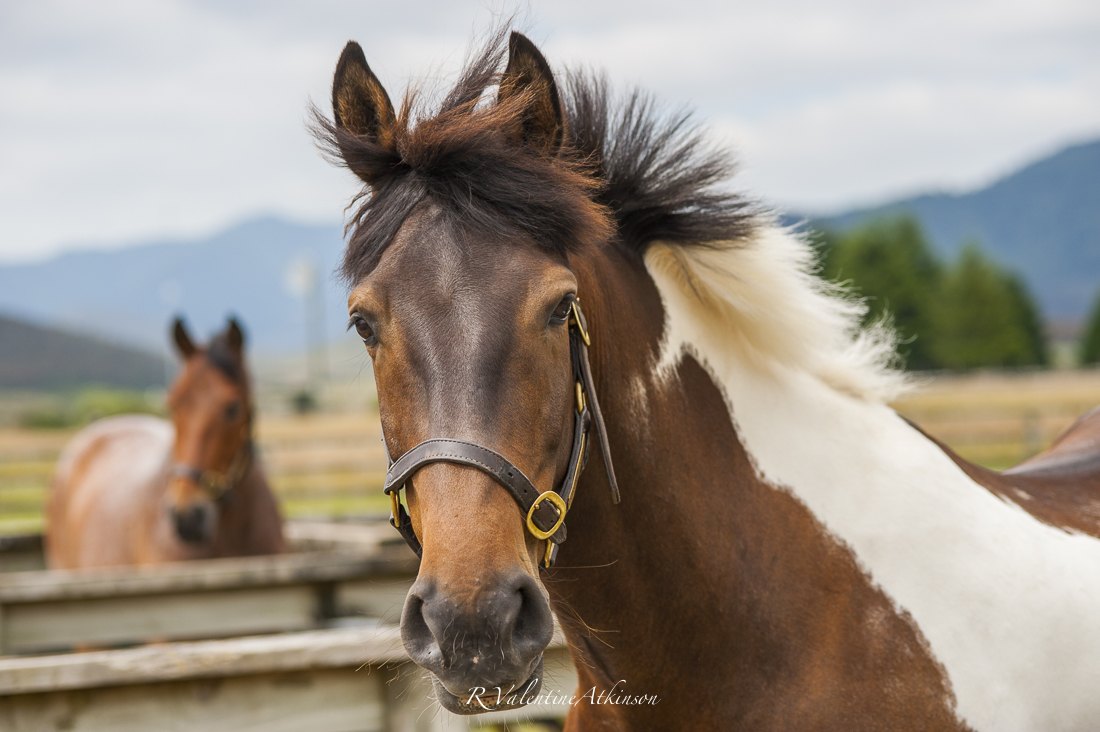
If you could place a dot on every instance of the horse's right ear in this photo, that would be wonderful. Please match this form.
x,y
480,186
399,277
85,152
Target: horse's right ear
x,y
182,338
234,333
360,106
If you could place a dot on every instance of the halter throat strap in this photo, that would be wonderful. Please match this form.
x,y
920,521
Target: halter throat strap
x,y
544,512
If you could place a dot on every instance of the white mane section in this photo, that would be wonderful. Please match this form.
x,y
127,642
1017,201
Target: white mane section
x,y
1009,606
780,313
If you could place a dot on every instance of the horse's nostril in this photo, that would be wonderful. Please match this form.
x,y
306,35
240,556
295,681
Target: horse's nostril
x,y
420,638
533,625
193,523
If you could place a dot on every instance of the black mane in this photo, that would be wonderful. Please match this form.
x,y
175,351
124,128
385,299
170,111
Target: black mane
x,y
627,175
658,174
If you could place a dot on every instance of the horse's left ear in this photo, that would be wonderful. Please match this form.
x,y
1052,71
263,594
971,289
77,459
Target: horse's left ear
x,y
543,126
235,335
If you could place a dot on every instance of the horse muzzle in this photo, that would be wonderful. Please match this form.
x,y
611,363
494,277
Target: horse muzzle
x,y
196,522
485,653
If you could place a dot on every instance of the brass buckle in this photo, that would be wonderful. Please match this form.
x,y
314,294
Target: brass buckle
x,y
581,402
395,507
575,316
558,502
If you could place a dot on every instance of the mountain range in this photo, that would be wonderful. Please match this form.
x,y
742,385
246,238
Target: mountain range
x,y
1042,221
132,293
37,357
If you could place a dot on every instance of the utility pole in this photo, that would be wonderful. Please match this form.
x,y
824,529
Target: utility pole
x,y
303,281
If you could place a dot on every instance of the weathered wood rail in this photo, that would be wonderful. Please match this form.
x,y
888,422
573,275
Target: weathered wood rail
x,y
355,679
335,571
331,659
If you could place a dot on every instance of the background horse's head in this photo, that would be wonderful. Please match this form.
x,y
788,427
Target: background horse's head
x,y
462,290
211,409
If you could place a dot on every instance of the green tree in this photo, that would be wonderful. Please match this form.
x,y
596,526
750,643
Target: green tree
x,y
1090,344
890,263
985,317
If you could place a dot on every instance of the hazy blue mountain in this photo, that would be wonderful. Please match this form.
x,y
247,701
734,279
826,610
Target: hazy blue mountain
x,y
1042,221
132,293
34,356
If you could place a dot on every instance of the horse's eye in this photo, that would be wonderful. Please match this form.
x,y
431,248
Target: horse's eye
x,y
232,411
362,327
561,312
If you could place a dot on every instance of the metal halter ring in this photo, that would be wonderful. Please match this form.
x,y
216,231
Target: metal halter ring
x,y
558,502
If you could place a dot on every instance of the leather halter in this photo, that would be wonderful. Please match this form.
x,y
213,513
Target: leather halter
x,y
544,511
217,484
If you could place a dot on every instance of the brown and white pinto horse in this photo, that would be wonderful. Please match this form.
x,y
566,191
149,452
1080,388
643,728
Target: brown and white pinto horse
x,y
788,552
141,490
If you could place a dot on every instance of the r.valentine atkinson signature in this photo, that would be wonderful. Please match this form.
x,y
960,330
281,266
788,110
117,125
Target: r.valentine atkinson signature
x,y
495,697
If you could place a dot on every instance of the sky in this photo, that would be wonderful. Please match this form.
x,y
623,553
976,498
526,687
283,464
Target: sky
x,y
126,120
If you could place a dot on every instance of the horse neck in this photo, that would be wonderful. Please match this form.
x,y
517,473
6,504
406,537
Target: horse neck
x,y
703,565
249,522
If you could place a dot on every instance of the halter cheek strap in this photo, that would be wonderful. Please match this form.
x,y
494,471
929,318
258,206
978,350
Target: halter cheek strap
x,y
544,512
218,485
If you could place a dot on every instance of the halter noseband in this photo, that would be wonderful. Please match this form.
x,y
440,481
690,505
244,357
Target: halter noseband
x,y
544,512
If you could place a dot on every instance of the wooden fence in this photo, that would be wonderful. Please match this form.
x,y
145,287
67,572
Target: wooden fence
x,y
334,572
334,680
331,659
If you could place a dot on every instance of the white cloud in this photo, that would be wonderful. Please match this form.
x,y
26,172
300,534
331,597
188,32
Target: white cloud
x,y
124,120
865,146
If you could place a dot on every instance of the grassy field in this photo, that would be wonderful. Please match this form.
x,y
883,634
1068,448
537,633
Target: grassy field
x,y
332,464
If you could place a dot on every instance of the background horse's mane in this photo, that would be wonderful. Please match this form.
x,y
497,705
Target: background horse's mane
x,y
628,176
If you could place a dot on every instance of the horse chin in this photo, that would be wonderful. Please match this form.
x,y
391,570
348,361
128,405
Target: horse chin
x,y
192,537
481,700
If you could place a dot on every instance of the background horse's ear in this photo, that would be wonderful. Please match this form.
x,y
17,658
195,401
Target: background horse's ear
x,y
528,74
235,335
360,106
182,338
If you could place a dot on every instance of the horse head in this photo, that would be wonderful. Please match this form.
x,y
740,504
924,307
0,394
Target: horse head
x,y
466,295
211,409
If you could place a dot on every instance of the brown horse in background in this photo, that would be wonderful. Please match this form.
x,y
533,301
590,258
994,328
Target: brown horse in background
x,y
136,489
